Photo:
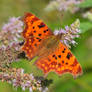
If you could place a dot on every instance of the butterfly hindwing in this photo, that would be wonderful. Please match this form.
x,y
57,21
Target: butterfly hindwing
x,y
61,61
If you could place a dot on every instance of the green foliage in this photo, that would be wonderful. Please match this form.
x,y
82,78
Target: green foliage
x,y
85,26
82,84
86,4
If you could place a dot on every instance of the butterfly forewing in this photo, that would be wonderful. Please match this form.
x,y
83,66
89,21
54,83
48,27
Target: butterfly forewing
x,y
34,33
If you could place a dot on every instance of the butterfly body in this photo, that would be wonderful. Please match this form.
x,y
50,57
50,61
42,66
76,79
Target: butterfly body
x,y
53,55
48,46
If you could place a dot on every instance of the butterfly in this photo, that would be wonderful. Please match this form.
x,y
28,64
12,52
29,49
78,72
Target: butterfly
x,y
53,55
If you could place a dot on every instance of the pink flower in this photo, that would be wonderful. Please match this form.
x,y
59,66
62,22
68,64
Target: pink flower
x,y
64,5
69,33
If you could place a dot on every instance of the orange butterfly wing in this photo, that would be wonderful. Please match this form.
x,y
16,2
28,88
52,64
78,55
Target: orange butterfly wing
x,y
61,61
35,31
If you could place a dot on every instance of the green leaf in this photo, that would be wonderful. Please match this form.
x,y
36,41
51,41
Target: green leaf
x,y
85,26
86,4
68,84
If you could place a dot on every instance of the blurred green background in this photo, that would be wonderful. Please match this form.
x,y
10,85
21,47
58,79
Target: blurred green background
x,y
54,19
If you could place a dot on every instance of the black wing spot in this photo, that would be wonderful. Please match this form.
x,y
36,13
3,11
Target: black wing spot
x,y
63,50
34,31
39,40
41,25
47,30
39,34
68,56
66,63
59,56
44,31
62,61
33,27
35,44
53,55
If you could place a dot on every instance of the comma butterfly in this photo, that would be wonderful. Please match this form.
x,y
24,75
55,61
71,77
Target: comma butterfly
x,y
53,55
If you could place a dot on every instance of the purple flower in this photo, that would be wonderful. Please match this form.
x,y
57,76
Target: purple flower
x,y
11,32
10,36
64,5
13,24
17,78
62,31
56,32
69,33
